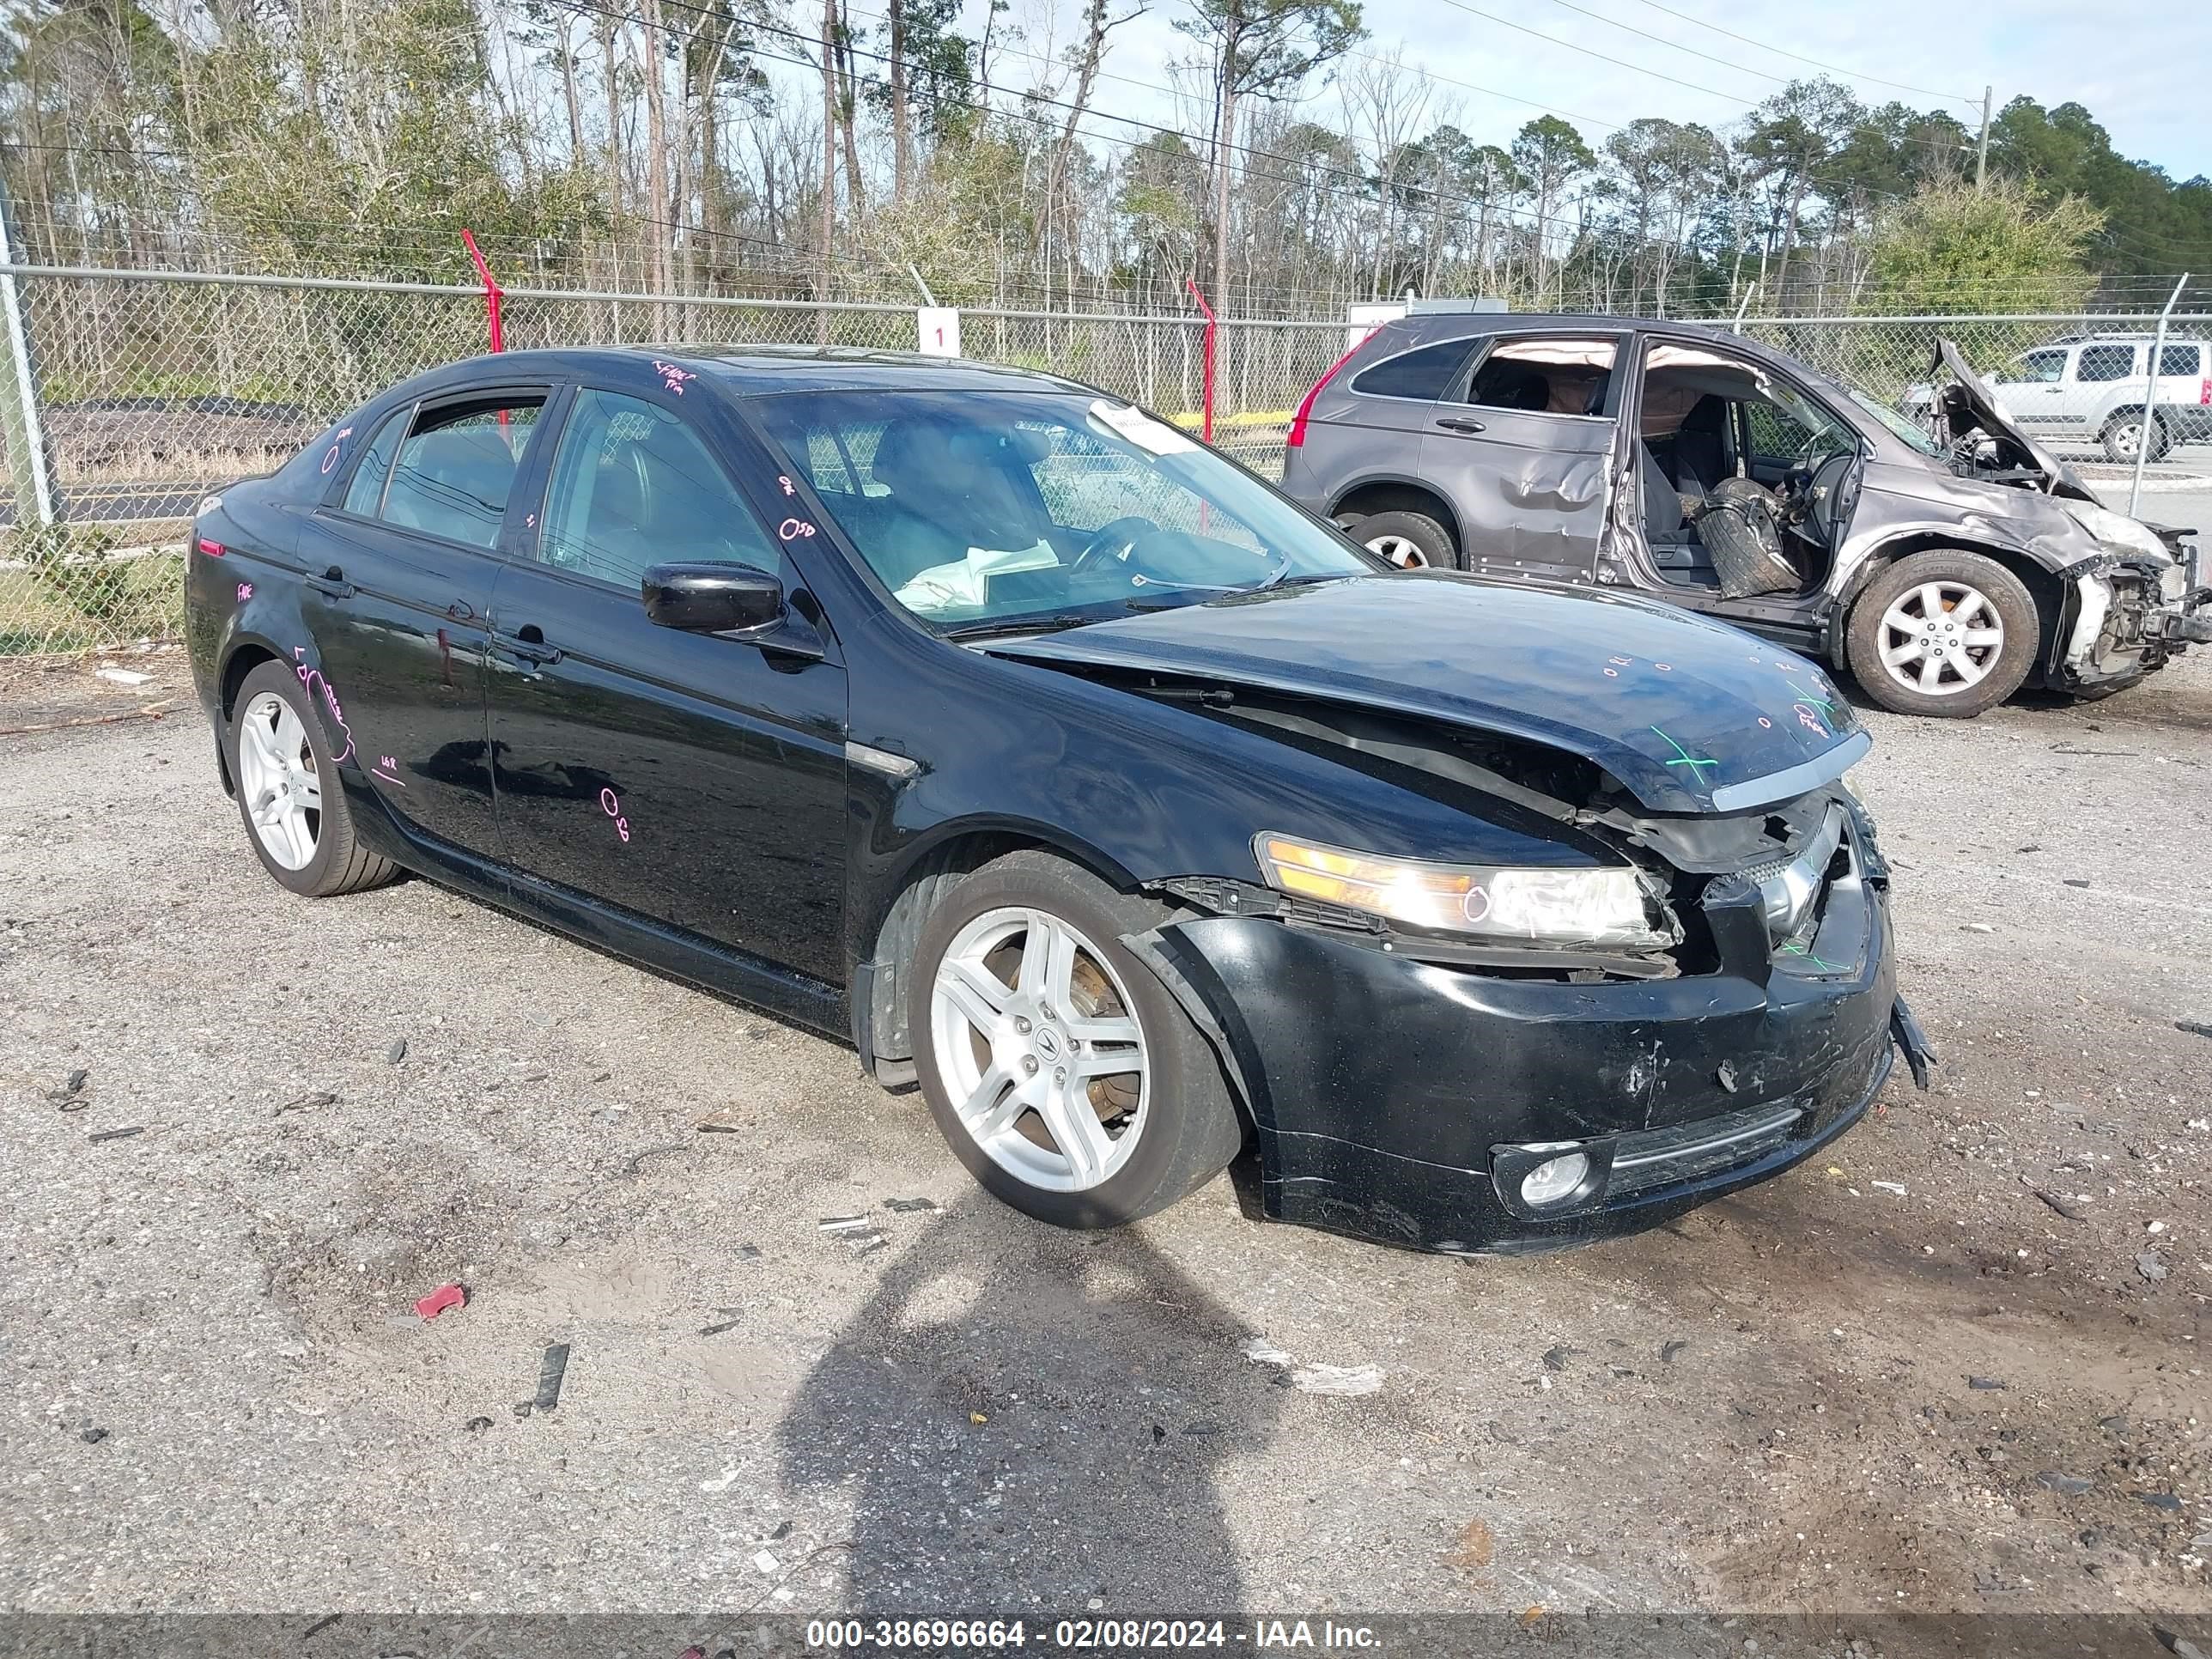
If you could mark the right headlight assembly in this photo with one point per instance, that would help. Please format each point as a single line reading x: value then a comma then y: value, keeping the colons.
x: 1613, y: 907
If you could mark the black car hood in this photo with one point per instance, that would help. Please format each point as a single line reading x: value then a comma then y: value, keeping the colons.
x: 1689, y: 715
x: 1995, y: 419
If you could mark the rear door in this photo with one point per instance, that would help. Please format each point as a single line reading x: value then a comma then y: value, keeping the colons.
x: 400, y: 564
x: 2097, y: 384
x: 1520, y: 446
x: 695, y: 781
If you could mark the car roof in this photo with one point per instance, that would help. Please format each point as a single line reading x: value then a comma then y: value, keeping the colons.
x: 756, y: 371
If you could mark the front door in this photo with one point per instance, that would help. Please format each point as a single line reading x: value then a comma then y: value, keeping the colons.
x: 2034, y: 388
x: 695, y: 780
x: 399, y: 567
x: 1520, y: 448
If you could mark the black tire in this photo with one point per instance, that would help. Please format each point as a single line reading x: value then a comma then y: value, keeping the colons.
x: 2002, y: 671
x: 340, y: 863
x: 1431, y: 540
x: 2127, y: 420
x: 1190, y: 1128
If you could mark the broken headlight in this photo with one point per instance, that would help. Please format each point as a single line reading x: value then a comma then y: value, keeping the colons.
x: 1610, y: 906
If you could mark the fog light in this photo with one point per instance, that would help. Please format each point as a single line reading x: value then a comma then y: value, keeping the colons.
x: 1553, y: 1179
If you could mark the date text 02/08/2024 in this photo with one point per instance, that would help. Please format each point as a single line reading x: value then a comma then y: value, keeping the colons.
x: 1082, y: 1635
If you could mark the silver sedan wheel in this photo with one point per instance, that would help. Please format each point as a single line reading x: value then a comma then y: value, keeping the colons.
x: 277, y: 775
x: 1400, y: 551
x: 1039, y: 1044
x: 1940, y: 638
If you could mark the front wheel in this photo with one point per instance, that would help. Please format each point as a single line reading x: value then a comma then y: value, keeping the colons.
x: 1059, y: 1069
x: 1942, y: 632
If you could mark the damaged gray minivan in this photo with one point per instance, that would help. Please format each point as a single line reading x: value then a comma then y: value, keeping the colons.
x: 1944, y: 569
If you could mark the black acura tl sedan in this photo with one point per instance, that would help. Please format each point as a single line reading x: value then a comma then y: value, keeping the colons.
x: 1066, y: 768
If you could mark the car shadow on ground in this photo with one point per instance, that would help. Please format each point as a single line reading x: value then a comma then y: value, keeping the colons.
x: 1007, y: 1384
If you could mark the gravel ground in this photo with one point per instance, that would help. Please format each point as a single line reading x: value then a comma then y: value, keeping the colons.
x: 1957, y: 1364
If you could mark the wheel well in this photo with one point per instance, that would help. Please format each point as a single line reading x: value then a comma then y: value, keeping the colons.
x: 1389, y: 496
x: 2045, y: 588
x: 890, y: 951
x: 243, y: 661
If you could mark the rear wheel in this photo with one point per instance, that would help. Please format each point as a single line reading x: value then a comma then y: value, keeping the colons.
x: 1412, y: 541
x: 288, y: 793
x: 2124, y: 434
x: 1059, y: 1069
x: 1942, y: 632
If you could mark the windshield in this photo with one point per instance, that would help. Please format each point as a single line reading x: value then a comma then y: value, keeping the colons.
x: 1896, y: 422
x: 1002, y: 507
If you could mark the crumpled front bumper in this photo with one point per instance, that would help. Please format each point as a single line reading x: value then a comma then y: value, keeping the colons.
x: 2126, y: 615
x: 1388, y: 1092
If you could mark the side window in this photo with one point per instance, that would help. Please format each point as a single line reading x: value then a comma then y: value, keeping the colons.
x: 2040, y: 367
x: 1546, y: 374
x: 1427, y: 373
x: 2106, y: 363
x: 365, y: 491
x: 1776, y: 434
x: 457, y: 465
x: 634, y: 487
x: 2181, y: 360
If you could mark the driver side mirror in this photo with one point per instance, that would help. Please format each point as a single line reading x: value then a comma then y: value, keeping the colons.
x: 712, y: 598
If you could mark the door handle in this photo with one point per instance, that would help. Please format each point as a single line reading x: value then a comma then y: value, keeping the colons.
x: 332, y: 584
x: 527, y: 646
x: 1453, y: 424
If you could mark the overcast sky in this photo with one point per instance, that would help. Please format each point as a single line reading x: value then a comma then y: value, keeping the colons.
x: 2146, y: 73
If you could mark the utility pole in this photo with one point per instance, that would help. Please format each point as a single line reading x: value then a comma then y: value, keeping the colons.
x: 829, y: 164
x: 1982, y: 150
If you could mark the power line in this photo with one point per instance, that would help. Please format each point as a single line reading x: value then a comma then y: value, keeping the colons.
x: 1591, y: 52
x: 1852, y: 75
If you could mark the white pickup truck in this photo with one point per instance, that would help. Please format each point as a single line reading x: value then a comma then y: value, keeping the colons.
x: 2086, y: 389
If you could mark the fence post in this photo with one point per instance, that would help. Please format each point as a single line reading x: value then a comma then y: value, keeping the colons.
x: 29, y: 465
x: 1205, y: 405
x: 493, y: 294
x: 2150, y: 395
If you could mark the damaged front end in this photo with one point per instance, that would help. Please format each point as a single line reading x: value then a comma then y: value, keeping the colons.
x: 1448, y: 1088
x: 2132, y: 594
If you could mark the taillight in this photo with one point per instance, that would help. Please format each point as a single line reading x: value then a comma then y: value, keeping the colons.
x: 1296, y: 440
x: 214, y: 550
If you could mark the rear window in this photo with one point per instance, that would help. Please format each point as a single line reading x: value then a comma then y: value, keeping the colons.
x: 1546, y: 374
x: 1427, y: 373
x: 457, y: 466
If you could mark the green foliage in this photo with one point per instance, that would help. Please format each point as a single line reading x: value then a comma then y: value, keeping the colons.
x: 1950, y: 248
x: 120, y: 598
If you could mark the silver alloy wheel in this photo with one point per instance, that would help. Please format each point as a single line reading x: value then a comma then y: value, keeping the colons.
x: 276, y: 779
x: 1941, y: 638
x: 1039, y: 1044
x: 2126, y: 436
x: 1400, y: 551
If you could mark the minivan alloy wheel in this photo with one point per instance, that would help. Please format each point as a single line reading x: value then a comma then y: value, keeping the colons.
x: 283, y: 795
x: 1041, y: 1048
x: 1941, y: 638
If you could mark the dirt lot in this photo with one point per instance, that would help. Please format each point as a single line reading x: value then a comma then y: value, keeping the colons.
x: 1959, y: 1364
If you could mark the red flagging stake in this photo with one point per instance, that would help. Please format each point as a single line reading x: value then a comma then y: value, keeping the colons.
x: 491, y: 292
x: 1298, y: 434
x: 1206, y: 430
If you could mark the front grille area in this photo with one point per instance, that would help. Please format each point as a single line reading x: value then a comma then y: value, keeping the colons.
x: 1644, y: 1158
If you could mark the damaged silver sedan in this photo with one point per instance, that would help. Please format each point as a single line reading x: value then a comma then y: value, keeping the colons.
x: 1945, y: 569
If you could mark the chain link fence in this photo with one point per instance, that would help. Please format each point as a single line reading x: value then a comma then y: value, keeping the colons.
x: 125, y: 396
